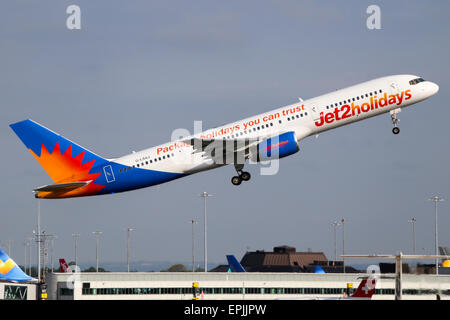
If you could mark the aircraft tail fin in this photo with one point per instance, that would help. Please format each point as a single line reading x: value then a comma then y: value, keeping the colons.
x: 318, y: 269
x: 71, y: 167
x: 63, y: 267
x: 234, y: 264
x: 63, y: 160
x: 10, y: 271
x: 365, y: 289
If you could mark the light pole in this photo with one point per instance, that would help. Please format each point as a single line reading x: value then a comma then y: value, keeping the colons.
x: 52, y: 240
x: 25, y: 244
x: 335, y: 224
x: 128, y: 247
x: 413, y: 221
x: 343, y: 243
x: 75, y: 239
x: 30, y: 243
x: 38, y: 239
x: 96, y: 234
x: 204, y: 195
x: 436, y: 199
x: 193, y: 260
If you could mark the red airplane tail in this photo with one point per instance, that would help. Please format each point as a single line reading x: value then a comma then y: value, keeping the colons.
x: 366, y: 289
x: 63, y: 267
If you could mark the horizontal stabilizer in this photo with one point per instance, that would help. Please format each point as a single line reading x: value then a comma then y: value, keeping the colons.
x: 52, y: 190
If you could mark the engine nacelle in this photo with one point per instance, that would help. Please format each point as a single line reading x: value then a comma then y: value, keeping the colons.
x: 277, y: 147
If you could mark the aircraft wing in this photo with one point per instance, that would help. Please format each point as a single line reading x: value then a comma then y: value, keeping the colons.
x: 224, y: 150
x: 391, y: 256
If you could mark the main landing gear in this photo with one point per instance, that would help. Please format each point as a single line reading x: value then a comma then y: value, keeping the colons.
x: 242, y: 175
x: 395, y: 121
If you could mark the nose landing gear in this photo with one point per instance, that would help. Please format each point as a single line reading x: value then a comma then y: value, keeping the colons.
x: 395, y: 120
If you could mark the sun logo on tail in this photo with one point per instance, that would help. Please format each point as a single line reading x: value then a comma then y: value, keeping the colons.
x: 64, y: 168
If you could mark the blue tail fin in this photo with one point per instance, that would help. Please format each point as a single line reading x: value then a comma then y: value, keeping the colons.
x: 234, y: 264
x: 60, y: 157
x: 10, y: 271
x: 318, y: 269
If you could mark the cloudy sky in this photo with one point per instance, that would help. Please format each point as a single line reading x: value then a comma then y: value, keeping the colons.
x: 137, y: 70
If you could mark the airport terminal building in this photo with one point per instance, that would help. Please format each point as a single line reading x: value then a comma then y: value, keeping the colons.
x: 236, y: 286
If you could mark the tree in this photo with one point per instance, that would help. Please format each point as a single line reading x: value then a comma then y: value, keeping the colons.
x: 93, y: 269
x: 176, y: 268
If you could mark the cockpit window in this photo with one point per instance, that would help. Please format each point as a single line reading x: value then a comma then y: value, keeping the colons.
x: 416, y: 81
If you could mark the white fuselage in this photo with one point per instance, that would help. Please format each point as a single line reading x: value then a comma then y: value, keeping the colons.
x: 304, y: 118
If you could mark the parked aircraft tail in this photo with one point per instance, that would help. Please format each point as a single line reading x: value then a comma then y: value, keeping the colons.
x: 234, y: 264
x: 10, y: 271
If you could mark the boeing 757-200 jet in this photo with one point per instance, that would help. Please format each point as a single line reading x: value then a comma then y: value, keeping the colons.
x: 77, y: 172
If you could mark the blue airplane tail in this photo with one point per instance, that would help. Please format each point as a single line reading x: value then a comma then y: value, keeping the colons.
x: 234, y: 264
x: 72, y: 167
x: 10, y: 271
x: 318, y: 269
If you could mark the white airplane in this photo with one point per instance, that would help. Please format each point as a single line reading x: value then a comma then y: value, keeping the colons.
x: 78, y: 172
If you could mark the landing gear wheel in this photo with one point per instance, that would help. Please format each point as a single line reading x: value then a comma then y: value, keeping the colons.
x: 396, y: 130
x: 245, y: 176
x: 236, y: 180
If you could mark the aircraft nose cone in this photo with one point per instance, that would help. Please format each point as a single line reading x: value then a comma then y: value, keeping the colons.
x: 434, y: 88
